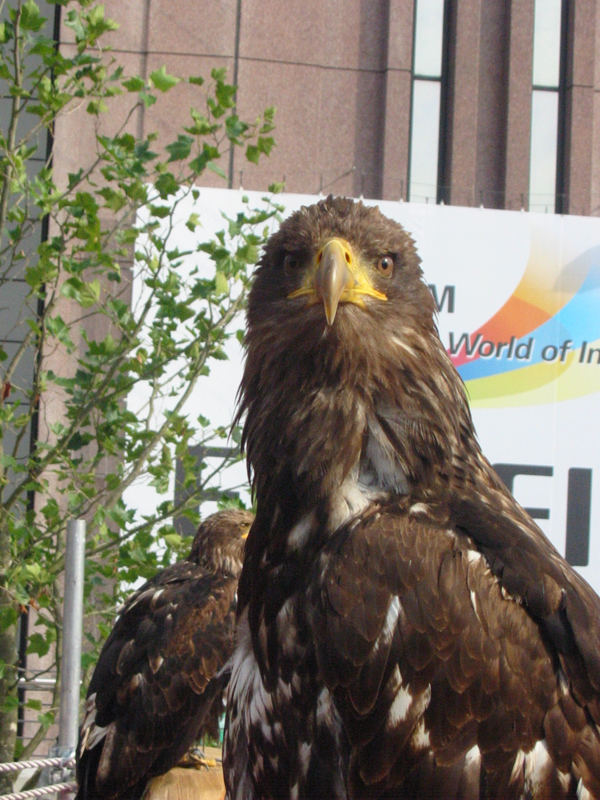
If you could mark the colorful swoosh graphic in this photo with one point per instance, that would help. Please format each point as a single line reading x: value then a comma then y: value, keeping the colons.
x: 543, y: 344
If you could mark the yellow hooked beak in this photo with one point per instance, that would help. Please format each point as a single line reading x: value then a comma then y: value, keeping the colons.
x: 336, y: 276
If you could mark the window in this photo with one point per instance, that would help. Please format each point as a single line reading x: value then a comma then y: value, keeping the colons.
x: 547, y: 107
x: 427, y: 100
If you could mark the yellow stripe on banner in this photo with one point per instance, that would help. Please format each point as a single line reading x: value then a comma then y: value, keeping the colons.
x: 540, y: 384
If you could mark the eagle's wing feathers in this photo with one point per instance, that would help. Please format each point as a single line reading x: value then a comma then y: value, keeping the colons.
x: 166, y: 648
x: 529, y: 568
x: 152, y: 635
x: 427, y: 657
x: 520, y: 556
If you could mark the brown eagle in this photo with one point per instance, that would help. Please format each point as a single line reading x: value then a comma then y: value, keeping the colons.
x: 405, y: 629
x: 159, y: 680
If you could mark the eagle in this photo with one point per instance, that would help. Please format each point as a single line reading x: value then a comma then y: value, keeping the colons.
x: 159, y: 680
x: 405, y: 630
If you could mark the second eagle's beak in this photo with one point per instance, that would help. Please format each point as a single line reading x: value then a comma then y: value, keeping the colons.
x: 336, y: 277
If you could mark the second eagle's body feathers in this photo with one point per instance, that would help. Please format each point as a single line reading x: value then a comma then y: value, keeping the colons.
x: 159, y: 679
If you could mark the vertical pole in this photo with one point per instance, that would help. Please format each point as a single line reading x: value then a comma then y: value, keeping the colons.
x: 72, y: 635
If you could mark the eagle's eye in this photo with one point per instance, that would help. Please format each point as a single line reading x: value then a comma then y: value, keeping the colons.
x: 291, y: 262
x: 385, y: 266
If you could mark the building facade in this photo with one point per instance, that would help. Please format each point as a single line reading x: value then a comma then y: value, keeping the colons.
x: 477, y: 102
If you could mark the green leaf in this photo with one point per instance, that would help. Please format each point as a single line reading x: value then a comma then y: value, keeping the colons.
x: 248, y: 252
x: 252, y: 153
x: 162, y: 81
x: 115, y: 200
x: 202, y: 160
x: 161, y: 212
x: 147, y: 99
x: 192, y: 222
x: 173, y: 539
x: 166, y: 185
x: 268, y: 117
x: 221, y: 283
x: 84, y: 293
x: 202, y: 125
x: 96, y: 107
x: 75, y: 178
x: 73, y: 21
x: 181, y: 148
x: 99, y: 24
x: 57, y: 327
x: 38, y: 644
x: 134, y: 84
x: 31, y: 19
x: 225, y: 94
x: 216, y: 169
x: 235, y: 127
x: 8, y: 617
x: 265, y: 144
x: 90, y: 293
x: 11, y: 703
x: 46, y: 719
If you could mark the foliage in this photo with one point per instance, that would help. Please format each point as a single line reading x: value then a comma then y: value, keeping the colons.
x: 81, y: 341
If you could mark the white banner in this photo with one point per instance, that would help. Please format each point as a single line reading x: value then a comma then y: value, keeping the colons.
x: 518, y: 298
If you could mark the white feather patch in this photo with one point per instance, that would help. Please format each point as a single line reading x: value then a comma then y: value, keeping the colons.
x: 250, y: 705
x: 389, y: 625
x: 304, y: 754
x: 398, y: 342
x: 404, y: 702
x: 420, y: 737
x: 246, y: 684
x: 91, y: 734
x: 473, y: 556
x: 473, y: 598
x: 473, y: 756
x: 325, y: 709
x: 538, y: 764
x: 400, y: 707
x: 300, y: 533
x: 582, y: 792
x: 472, y: 767
x: 349, y: 500
x: 419, y: 509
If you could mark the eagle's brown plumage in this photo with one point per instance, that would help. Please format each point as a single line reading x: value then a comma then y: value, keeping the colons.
x: 159, y: 680
x: 405, y: 629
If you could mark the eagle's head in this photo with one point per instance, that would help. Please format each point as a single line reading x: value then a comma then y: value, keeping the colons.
x: 335, y: 271
x: 220, y: 539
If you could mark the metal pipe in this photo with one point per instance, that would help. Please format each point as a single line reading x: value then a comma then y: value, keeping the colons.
x: 72, y: 636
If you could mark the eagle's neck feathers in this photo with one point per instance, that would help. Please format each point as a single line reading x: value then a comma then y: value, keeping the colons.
x: 357, y: 434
